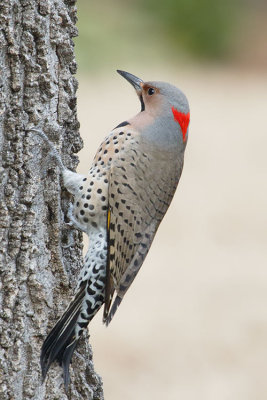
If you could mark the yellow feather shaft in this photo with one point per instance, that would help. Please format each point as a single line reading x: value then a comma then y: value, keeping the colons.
x: 108, y: 218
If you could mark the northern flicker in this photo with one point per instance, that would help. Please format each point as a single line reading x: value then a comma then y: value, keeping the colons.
x: 120, y: 204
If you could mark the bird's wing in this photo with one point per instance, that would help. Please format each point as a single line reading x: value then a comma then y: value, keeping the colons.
x: 141, y: 187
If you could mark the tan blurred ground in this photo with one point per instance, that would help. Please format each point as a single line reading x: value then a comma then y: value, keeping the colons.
x: 194, y: 323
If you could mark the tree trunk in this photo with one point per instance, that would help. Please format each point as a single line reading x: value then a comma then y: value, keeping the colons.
x: 37, y: 271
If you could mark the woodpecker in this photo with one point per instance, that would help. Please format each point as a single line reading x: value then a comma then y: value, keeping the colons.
x: 119, y: 205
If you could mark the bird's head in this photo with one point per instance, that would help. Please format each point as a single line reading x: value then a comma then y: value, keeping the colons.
x: 162, y: 101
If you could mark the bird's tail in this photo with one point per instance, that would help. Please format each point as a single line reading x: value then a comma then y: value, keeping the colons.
x: 109, y: 315
x: 62, y: 340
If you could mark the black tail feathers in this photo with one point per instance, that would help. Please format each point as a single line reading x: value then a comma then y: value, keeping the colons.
x: 108, y: 317
x: 61, y: 341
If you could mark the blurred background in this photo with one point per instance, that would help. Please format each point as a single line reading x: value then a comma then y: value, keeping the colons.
x: 194, y: 323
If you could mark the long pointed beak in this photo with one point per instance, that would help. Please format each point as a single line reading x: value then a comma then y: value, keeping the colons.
x: 136, y: 82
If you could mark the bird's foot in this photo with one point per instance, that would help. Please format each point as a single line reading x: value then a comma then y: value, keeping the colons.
x: 73, y: 221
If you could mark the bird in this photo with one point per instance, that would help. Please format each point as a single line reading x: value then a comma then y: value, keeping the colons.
x: 119, y: 204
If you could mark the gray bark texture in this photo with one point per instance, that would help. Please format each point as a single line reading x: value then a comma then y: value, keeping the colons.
x: 37, y: 272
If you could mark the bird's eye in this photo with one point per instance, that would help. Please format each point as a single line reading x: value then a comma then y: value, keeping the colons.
x: 151, y: 91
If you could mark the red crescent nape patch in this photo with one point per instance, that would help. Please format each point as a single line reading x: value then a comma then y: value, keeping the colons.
x: 182, y: 119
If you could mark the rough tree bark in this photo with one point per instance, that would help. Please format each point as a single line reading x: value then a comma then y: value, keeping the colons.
x: 37, y: 273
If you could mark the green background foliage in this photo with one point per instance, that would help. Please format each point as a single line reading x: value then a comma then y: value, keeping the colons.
x: 151, y: 30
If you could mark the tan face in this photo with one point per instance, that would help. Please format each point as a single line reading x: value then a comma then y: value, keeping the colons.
x: 151, y: 97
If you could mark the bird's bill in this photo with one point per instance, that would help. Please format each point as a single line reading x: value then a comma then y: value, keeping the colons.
x: 136, y: 82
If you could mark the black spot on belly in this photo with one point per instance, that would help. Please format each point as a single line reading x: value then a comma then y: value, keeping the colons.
x: 82, y: 324
x: 90, y: 291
